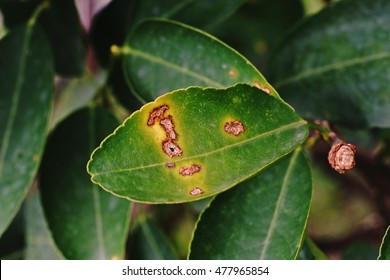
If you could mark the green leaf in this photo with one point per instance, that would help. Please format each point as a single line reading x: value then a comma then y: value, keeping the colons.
x: 86, y: 222
x: 39, y: 242
x: 161, y: 56
x: 360, y: 251
x: 261, y: 23
x: 384, y: 252
x: 336, y: 65
x: 26, y: 88
x: 200, y: 13
x: 16, y: 12
x: 262, y: 218
x: 62, y: 25
x: 149, y: 243
x: 144, y: 160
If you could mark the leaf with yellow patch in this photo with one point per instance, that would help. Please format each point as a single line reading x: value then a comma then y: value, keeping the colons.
x: 194, y: 143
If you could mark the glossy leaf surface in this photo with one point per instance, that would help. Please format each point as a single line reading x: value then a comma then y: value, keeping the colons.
x: 196, y: 155
x: 161, y: 56
x: 262, y: 218
x: 384, y: 253
x: 86, y: 222
x: 336, y: 65
x: 26, y: 89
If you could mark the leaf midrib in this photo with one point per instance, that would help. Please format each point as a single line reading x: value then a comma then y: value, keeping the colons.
x: 279, y: 203
x: 16, y: 97
x: 265, y: 134
x: 332, y: 67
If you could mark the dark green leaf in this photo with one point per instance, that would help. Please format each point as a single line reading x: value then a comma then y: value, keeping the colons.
x: 26, y: 88
x: 200, y: 13
x: 109, y: 27
x: 336, y: 64
x: 86, y: 222
x: 162, y: 56
x: 262, y: 218
x: 360, y: 251
x: 17, y: 12
x: 63, y: 28
x: 149, y: 243
x: 384, y: 253
x: 256, y: 28
x: 39, y: 242
x: 198, y: 156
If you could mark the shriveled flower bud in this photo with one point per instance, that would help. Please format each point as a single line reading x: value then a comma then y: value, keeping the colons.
x: 342, y: 157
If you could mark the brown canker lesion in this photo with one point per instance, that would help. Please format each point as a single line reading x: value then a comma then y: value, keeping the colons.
x: 157, y: 113
x: 189, y: 170
x: 169, y: 127
x: 265, y: 89
x: 170, y: 165
x: 234, y: 127
x: 196, y: 191
x: 171, y: 148
x: 169, y: 145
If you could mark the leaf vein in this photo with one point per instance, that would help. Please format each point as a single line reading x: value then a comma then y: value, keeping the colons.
x: 265, y: 134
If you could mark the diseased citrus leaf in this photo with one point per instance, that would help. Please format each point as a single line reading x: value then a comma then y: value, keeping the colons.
x: 384, y: 252
x: 194, y: 143
x: 161, y: 56
x: 85, y: 221
x: 336, y: 65
x: 26, y: 90
x: 39, y: 242
x: 149, y: 243
x: 262, y: 218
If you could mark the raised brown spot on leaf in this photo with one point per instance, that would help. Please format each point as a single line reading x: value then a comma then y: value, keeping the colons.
x: 233, y: 73
x: 170, y: 165
x: 189, y: 170
x: 265, y: 89
x: 196, y: 191
x: 157, y: 113
x: 171, y: 148
x: 169, y: 127
x: 234, y: 127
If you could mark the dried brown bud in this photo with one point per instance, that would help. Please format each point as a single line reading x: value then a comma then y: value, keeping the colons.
x: 342, y: 157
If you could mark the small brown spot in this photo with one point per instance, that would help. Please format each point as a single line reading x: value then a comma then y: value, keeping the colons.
x: 171, y: 148
x: 169, y: 127
x: 342, y: 157
x: 196, y: 191
x: 265, y: 89
x: 189, y: 170
x: 157, y: 113
x: 235, y: 128
x: 233, y: 73
x: 170, y: 165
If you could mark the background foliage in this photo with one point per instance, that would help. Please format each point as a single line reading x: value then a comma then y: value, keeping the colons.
x: 72, y: 71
